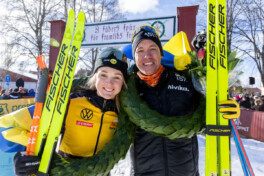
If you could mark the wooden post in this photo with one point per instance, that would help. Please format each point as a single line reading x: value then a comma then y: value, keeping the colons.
x: 56, y: 32
x: 187, y: 20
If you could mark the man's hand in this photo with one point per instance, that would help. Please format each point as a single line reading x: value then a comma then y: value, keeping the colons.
x: 230, y: 108
x: 26, y: 165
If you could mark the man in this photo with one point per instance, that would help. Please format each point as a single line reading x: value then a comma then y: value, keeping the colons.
x: 166, y: 91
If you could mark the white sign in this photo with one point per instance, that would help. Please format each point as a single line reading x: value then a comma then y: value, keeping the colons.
x: 120, y: 32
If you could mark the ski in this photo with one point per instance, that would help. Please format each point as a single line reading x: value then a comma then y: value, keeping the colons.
x: 51, y: 97
x: 211, y: 92
x: 217, y: 160
x: 224, y: 160
x: 62, y: 100
x: 39, y: 101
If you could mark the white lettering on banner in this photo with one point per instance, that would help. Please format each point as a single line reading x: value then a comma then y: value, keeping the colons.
x: 240, y: 127
x: 120, y: 32
x: 243, y: 128
x: 179, y: 87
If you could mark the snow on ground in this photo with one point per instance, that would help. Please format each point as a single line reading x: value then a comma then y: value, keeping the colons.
x: 254, y: 149
x: 255, y: 153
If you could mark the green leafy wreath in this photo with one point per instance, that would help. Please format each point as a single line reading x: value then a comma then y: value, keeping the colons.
x: 140, y: 114
x: 102, y: 163
x: 157, y: 124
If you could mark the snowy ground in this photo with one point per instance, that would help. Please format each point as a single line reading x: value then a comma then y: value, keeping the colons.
x: 254, y: 149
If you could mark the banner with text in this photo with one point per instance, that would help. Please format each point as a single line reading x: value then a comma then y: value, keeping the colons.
x: 120, y: 32
x: 10, y: 105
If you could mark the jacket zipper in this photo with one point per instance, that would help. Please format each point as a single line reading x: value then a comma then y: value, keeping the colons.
x: 100, y: 129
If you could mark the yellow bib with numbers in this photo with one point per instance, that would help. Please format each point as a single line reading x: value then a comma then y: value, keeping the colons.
x: 87, y: 128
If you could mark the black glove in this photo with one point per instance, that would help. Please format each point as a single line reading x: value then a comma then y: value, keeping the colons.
x: 26, y: 165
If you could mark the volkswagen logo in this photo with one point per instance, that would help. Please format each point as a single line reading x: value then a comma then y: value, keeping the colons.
x: 86, y: 114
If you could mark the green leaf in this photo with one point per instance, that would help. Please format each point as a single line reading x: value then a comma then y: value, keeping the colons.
x: 77, y: 82
x: 232, y: 56
x: 232, y: 64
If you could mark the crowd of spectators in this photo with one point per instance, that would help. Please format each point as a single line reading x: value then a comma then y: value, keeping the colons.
x: 252, y: 101
x: 16, y: 93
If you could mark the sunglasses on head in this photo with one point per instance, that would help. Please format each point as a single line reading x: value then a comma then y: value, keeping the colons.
x: 111, y: 52
x: 145, y: 28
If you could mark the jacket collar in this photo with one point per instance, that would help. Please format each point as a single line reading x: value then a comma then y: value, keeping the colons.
x: 103, y: 104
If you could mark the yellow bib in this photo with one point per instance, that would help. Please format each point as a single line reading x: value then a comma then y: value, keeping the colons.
x: 87, y: 128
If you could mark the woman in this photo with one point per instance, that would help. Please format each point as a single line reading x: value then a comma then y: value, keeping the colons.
x: 91, y: 120
x: 95, y: 111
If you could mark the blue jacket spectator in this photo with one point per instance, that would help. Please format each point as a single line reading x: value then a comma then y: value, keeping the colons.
x: 31, y: 93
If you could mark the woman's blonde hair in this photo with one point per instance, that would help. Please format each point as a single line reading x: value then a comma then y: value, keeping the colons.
x: 91, y: 85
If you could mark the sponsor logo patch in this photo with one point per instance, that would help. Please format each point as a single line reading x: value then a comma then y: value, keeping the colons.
x: 86, y: 114
x: 113, y: 61
x: 179, y: 87
x: 113, y: 124
x: 180, y: 78
x: 150, y: 34
x: 86, y: 124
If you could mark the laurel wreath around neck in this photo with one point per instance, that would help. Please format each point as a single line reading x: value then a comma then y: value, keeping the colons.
x: 151, y: 121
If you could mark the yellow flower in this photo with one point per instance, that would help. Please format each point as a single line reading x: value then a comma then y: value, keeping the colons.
x: 180, y: 62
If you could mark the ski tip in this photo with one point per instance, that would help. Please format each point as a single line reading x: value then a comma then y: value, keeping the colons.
x: 71, y: 14
x: 81, y: 16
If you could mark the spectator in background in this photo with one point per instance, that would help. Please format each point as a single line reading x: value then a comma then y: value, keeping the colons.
x: 244, y: 93
x: 10, y: 90
x: 252, y: 100
x: 245, y: 102
x: 4, y: 95
x: 237, y: 98
x: 23, y: 92
x: 15, y: 94
x: 31, y: 93
x: 262, y: 97
x: 259, y: 106
x: 20, y: 89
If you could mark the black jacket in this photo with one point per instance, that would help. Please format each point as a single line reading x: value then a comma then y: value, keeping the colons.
x: 158, y: 156
x: 245, y: 103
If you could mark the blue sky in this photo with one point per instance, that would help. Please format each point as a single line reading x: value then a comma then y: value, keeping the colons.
x: 137, y: 9
x: 152, y: 8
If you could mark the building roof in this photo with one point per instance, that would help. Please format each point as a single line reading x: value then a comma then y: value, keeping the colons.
x: 26, y: 76
x: 253, y: 89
